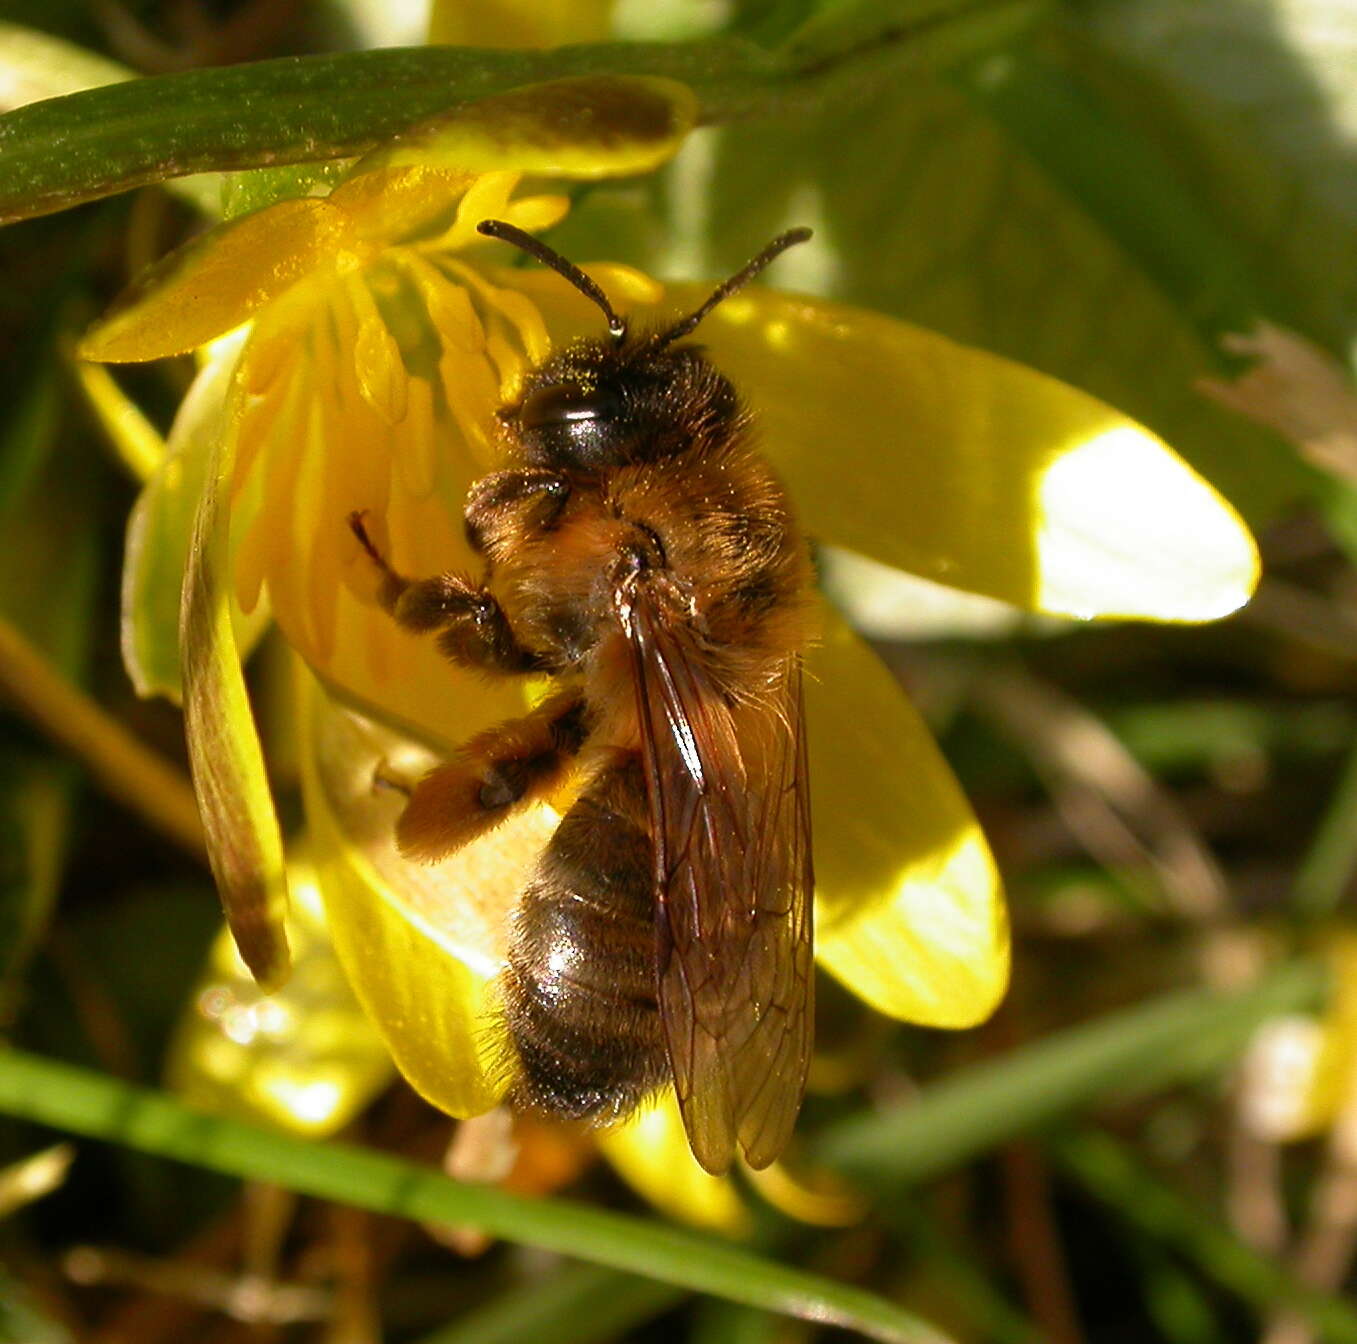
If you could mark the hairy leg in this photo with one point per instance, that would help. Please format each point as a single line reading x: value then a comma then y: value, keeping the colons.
x: 508, y: 766
x: 471, y: 625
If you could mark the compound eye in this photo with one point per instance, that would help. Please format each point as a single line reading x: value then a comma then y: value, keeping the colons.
x: 565, y: 405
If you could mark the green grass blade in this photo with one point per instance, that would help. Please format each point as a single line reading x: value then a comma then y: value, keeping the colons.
x: 100, y: 1107
x: 1325, y: 874
x: 49, y: 516
x: 59, y: 152
x: 1110, y: 1172
x: 1133, y: 1052
x: 35, y: 65
x: 979, y: 1303
x: 579, y: 1304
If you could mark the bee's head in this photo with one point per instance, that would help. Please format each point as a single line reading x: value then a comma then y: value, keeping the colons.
x: 604, y: 403
x: 595, y: 406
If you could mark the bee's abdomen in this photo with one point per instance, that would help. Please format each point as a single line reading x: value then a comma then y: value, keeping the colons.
x: 580, y: 981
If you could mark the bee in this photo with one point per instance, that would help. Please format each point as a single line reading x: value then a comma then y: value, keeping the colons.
x: 642, y: 554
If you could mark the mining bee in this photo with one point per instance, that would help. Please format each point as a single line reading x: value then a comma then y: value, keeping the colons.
x: 641, y: 554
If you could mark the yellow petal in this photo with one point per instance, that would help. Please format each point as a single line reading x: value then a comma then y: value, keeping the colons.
x: 820, y: 1197
x: 390, y: 204
x: 908, y: 908
x: 322, y: 450
x: 32, y: 1178
x: 651, y: 1152
x: 305, y: 1059
x: 589, y: 127
x: 1283, y: 1095
x: 244, y: 844
x: 972, y: 470
x: 882, y: 602
x: 1333, y: 1086
x: 219, y: 280
x: 158, y: 535
x: 420, y: 943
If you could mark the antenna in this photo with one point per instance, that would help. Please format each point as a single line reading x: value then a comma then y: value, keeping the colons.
x: 535, y: 247
x: 741, y: 278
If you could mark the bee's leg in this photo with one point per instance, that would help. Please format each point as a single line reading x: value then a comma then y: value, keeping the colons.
x: 510, y: 765
x: 508, y: 501
x: 472, y: 627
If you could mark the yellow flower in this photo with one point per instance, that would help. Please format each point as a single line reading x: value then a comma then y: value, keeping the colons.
x: 384, y: 333
x: 1300, y: 1074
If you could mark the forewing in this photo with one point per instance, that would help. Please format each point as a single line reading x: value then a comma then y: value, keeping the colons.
x: 731, y: 822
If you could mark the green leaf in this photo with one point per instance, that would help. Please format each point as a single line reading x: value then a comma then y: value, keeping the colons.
x: 1119, y: 179
x: 865, y: 34
x: 1134, y: 1052
x: 1254, y: 105
x: 36, y: 66
x: 1189, y: 190
x: 1251, y: 107
x: 57, y: 153
x: 98, y: 1106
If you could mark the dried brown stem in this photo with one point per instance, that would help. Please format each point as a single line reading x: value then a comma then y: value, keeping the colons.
x: 1034, y: 1243
x: 125, y: 769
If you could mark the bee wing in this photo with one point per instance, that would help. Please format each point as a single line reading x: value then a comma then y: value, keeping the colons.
x: 730, y: 816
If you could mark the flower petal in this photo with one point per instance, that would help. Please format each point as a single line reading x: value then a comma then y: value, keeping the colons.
x: 391, y: 204
x: 244, y: 844
x: 908, y: 908
x: 1283, y: 1093
x: 972, y: 470
x: 158, y: 531
x: 1333, y: 1087
x: 589, y: 127
x: 321, y: 451
x: 651, y: 1152
x: 219, y: 280
x: 305, y: 1059
x: 421, y: 943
